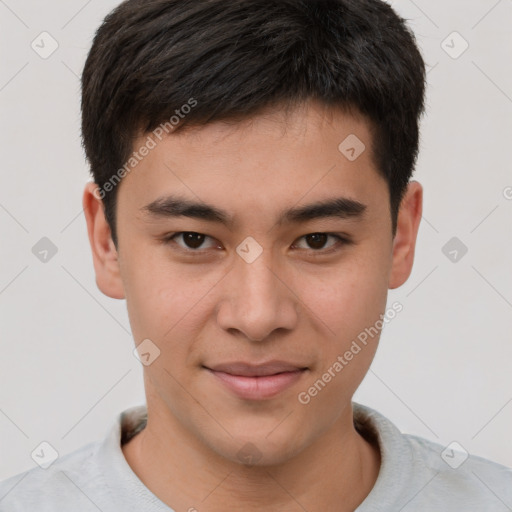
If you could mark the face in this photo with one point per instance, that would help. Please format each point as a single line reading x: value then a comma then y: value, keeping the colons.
x: 283, y: 263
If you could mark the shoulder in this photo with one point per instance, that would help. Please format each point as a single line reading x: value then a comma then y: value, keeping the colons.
x: 419, y: 475
x: 93, y: 477
x: 456, y: 475
x: 65, y: 483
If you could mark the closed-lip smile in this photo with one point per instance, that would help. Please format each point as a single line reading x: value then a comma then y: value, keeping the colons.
x: 257, y: 381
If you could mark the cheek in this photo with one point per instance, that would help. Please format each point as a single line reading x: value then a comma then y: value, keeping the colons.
x: 166, y: 303
x: 347, y: 298
x: 349, y: 303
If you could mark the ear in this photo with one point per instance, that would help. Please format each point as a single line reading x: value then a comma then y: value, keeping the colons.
x: 404, y: 243
x: 104, y: 252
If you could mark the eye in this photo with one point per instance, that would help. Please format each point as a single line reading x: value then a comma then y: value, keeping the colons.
x: 191, y: 241
x: 317, y: 241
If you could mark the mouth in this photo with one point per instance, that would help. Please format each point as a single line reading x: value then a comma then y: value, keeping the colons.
x: 257, y: 382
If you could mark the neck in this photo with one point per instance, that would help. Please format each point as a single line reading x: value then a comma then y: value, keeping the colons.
x: 336, y: 472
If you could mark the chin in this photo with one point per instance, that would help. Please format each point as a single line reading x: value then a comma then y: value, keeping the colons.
x: 258, y: 450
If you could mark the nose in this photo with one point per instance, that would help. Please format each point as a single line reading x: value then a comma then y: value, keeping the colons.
x: 257, y: 300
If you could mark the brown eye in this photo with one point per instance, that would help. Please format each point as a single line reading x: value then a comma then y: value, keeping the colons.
x: 190, y: 240
x: 317, y: 240
x: 193, y: 240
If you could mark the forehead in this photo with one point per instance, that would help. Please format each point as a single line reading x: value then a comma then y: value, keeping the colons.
x: 263, y: 163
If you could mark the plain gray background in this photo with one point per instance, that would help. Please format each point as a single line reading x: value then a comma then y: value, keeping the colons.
x: 442, y: 370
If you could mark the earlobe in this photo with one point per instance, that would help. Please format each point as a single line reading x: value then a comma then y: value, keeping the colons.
x: 404, y: 243
x: 104, y: 252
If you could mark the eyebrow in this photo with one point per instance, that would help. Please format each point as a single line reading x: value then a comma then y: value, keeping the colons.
x: 177, y: 206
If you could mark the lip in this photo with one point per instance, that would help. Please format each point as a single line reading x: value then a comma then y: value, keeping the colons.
x: 257, y: 382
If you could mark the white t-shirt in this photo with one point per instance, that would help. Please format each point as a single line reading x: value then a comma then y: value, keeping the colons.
x: 414, y: 475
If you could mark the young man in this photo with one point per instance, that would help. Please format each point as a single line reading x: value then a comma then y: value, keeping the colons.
x: 253, y: 203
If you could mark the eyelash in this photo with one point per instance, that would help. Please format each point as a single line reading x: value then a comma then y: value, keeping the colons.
x: 342, y: 240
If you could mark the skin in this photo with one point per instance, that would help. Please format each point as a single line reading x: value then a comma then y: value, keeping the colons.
x: 292, y: 303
